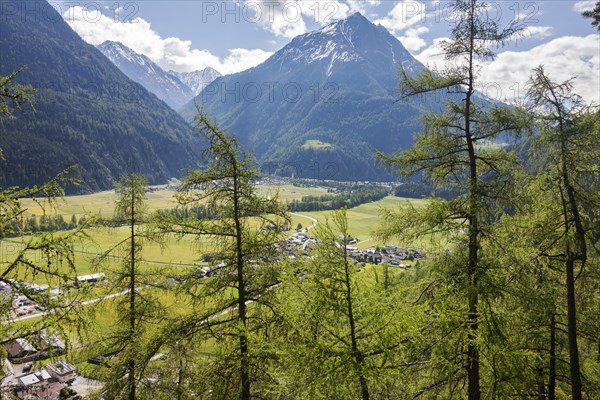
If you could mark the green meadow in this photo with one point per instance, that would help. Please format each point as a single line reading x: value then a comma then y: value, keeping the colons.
x: 187, y: 251
x: 170, y: 257
x: 316, y: 144
x: 160, y: 198
x: 365, y: 219
x: 173, y: 256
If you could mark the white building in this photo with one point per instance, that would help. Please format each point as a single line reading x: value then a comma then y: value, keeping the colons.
x: 35, y: 378
x: 62, y: 370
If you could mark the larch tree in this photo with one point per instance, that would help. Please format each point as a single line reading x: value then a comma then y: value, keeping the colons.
x: 568, y: 135
x: 531, y: 306
x: 137, y: 307
x: 342, y: 333
x: 459, y: 148
x: 232, y: 303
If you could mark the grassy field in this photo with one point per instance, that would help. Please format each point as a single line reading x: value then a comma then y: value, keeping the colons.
x: 364, y: 219
x: 172, y: 253
x: 288, y: 193
x: 177, y: 254
x: 185, y: 250
x: 103, y: 203
x: 317, y: 145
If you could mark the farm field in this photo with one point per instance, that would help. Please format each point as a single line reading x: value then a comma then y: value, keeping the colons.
x: 181, y: 251
x: 103, y: 203
x: 171, y: 257
x: 187, y: 251
x: 364, y: 220
x: 174, y: 255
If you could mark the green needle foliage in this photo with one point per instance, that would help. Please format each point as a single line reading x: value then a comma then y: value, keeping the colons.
x: 568, y: 137
x: 547, y: 247
x: 461, y: 148
x: 48, y: 257
x: 231, y: 308
x: 594, y: 14
x: 137, y: 307
x: 13, y: 95
x: 342, y: 332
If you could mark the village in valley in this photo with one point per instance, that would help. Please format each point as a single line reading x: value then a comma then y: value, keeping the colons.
x: 27, y: 379
x: 36, y: 366
x: 300, y: 243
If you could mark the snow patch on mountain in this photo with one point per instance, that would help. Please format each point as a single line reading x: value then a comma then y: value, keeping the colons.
x: 144, y: 71
x: 197, y: 80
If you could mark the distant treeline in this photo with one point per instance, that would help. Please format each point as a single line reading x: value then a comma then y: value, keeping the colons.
x: 356, y: 196
x: 417, y: 190
x: 343, y: 194
x: 198, y: 211
x: 335, y: 185
x: 43, y: 223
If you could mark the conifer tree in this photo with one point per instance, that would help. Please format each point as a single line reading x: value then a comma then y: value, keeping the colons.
x: 342, y: 333
x: 137, y: 307
x: 243, y: 268
x: 458, y: 149
x: 569, y: 135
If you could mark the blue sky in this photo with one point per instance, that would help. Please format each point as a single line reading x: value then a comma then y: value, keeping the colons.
x: 231, y: 36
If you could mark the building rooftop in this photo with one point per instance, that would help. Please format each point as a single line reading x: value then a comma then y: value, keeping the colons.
x: 52, y: 341
x: 25, y: 344
x: 61, y: 367
x: 28, y: 380
x: 42, y: 375
x: 91, y: 277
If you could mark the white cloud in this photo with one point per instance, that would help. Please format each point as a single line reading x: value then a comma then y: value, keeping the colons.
x: 288, y: 18
x: 244, y: 59
x: 404, y: 15
x: 565, y: 57
x: 169, y: 53
x: 405, y: 20
x: 412, y: 39
x: 362, y: 6
x: 179, y: 56
x: 432, y: 56
x: 282, y: 18
x: 584, y: 5
x: 537, y: 32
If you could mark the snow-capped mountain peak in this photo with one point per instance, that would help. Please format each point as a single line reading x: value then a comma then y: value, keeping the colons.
x: 144, y: 71
x: 350, y: 40
x: 197, y: 80
x: 337, y: 85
